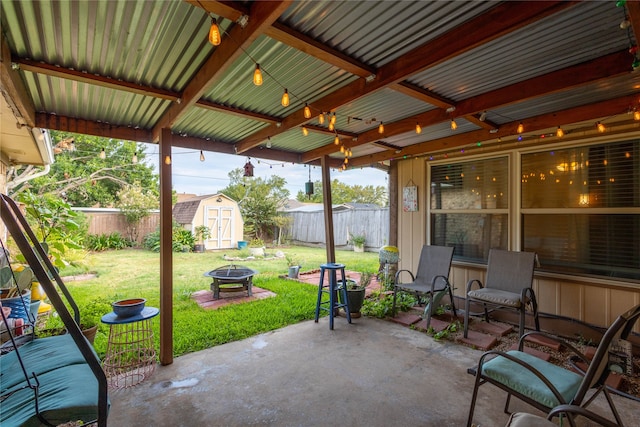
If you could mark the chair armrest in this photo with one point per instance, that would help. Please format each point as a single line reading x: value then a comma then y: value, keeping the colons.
x: 445, y: 279
x: 397, y: 277
x: 579, y: 410
x: 555, y: 338
x: 471, y: 282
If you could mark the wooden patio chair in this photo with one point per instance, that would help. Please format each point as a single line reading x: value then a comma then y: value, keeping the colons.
x: 507, y: 285
x: 432, y: 279
x: 545, y: 385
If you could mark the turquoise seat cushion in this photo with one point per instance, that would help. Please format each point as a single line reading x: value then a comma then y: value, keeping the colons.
x: 40, y: 355
x: 69, y: 393
x: 496, y: 296
x: 523, y: 381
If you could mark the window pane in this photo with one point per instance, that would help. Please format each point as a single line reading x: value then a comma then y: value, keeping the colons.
x: 604, y: 245
x: 597, y: 176
x: 480, y: 184
x: 471, y: 235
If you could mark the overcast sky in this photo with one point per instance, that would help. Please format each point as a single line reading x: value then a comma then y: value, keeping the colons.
x: 190, y: 175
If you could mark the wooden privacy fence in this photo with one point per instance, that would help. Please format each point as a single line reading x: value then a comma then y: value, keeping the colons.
x: 108, y: 220
x: 373, y: 223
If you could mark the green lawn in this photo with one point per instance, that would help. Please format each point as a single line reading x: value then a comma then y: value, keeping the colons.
x: 136, y: 273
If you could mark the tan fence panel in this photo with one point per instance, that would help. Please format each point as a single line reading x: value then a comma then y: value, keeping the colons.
x: 111, y: 220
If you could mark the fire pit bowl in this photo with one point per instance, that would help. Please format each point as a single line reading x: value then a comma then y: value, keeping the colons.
x: 229, y: 275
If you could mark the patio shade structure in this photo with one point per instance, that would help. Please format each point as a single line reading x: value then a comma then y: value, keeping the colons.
x: 368, y: 82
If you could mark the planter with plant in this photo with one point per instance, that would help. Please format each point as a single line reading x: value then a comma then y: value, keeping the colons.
x: 201, y: 233
x: 294, y: 266
x: 357, y: 240
x: 356, y: 291
x: 256, y: 247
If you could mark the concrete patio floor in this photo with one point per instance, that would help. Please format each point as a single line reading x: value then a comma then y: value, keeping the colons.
x: 372, y: 372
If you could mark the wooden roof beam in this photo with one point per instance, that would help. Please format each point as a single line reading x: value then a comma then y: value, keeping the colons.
x: 230, y: 10
x: 545, y: 121
x: 261, y: 16
x: 12, y: 85
x: 581, y: 74
x: 500, y: 20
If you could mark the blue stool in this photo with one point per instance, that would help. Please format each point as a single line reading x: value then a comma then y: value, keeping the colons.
x: 334, y: 286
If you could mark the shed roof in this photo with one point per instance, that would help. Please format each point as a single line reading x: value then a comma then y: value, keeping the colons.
x: 185, y: 211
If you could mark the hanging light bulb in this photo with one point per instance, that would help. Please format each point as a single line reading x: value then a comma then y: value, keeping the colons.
x: 483, y: 116
x: 331, y: 126
x: 342, y: 149
x: 600, y: 127
x: 381, y: 128
x: 418, y: 129
x: 201, y: 156
x: 336, y: 140
x: 215, y: 38
x: 305, y: 131
x: 333, y: 119
x: 520, y: 127
x: 167, y: 160
x: 321, y: 118
x: 559, y: 132
x: 285, y: 98
x: 307, y: 111
x: 636, y: 115
x: 134, y: 159
x: 454, y: 125
x: 257, y: 76
x: 346, y: 160
x: 103, y: 155
x: 268, y: 142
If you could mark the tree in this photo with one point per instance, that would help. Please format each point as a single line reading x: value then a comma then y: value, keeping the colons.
x: 258, y: 199
x: 345, y: 193
x: 82, y: 177
x: 135, y: 205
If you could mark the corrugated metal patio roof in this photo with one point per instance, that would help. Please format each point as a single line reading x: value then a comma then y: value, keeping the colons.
x: 128, y: 69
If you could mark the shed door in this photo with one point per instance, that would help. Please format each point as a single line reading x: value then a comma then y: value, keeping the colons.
x: 220, y: 222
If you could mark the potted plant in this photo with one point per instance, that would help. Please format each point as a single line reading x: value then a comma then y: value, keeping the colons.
x: 357, y: 240
x: 294, y: 266
x: 356, y: 291
x: 201, y: 233
x: 256, y: 247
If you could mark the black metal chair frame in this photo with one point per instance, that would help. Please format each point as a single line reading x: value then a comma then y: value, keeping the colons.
x: 422, y: 284
x: 518, y: 261
x: 594, y: 378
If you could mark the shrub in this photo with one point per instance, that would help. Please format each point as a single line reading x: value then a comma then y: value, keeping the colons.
x: 181, y: 239
x: 102, y: 242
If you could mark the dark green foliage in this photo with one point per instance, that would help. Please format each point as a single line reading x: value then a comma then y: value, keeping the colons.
x: 381, y: 306
x: 183, y: 240
x: 102, y: 242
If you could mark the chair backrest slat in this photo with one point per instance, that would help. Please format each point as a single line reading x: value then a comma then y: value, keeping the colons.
x: 434, y: 261
x: 509, y: 270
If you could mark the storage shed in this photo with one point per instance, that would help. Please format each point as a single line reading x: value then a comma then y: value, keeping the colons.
x: 218, y: 212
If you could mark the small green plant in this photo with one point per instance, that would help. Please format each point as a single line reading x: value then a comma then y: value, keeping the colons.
x: 103, y: 242
x: 357, y: 240
x: 256, y: 242
x: 202, y: 233
x: 291, y: 261
x: 451, y: 328
x: 381, y: 306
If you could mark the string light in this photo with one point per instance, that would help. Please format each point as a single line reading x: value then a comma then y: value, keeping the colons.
x: 418, y: 129
x: 268, y: 142
x: 483, y: 116
x: 201, y: 156
x: 257, y: 76
x: 342, y: 149
x: 167, y: 160
x: 336, y: 140
x: 454, y: 125
x: 215, y: 38
x: 321, y: 118
x: 636, y: 115
x: 559, y: 132
x: 103, y: 155
x: 331, y: 126
x: 520, y: 127
x: 600, y: 127
x: 381, y: 128
x: 305, y: 131
x: 333, y: 119
x: 307, y: 111
x: 285, y: 98
x: 134, y: 159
